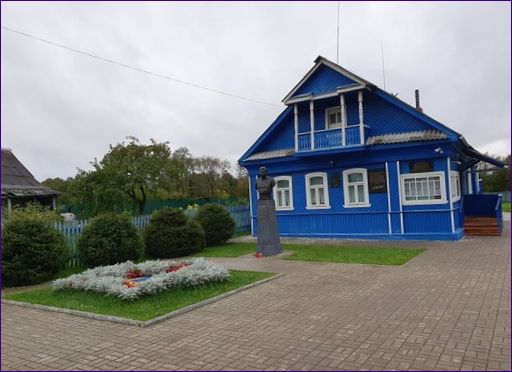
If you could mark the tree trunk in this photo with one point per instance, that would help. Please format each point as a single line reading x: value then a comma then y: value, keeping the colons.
x: 142, y: 202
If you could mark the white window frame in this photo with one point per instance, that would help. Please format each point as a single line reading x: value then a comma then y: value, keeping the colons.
x: 455, y: 186
x: 328, y: 111
x: 441, y: 175
x: 290, y: 189
x: 326, y: 205
x: 346, y: 184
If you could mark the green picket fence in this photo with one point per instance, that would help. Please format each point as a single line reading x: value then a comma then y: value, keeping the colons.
x: 73, y: 229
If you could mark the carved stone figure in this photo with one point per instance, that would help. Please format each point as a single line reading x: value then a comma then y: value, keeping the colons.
x: 268, y: 242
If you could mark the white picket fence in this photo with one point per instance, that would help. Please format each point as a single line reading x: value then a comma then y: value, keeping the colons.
x: 72, y: 230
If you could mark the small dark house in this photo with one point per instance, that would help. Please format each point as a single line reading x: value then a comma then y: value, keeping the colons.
x: 19, y: 186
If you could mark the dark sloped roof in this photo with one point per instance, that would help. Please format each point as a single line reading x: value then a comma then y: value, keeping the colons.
x: 271, y: 154
x: 423, y: 135
x: 17, y: 180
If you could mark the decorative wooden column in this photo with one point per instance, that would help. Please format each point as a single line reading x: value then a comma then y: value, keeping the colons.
x: 449, y: 178
x: 54, y: 202
x: 9, y: 204
x: 312, y: 123
x: 343, y: 120
x: 296, y: 123
x: 470, y: 182
x: 399, y: 180
x: 361, y: 116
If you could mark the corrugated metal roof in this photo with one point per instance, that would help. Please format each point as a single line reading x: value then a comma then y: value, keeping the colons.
x: 423, y: 135
x: 271, y: 154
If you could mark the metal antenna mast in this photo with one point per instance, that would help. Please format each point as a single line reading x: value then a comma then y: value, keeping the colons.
x: 383, y: 68
x: 338, y: 36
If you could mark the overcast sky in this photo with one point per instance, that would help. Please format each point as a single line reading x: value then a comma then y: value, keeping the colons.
x: 60, y: 110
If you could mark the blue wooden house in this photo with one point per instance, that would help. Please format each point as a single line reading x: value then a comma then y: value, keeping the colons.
x: 351, y: 160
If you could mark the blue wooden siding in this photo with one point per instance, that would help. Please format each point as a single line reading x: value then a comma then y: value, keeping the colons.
x: 323, y: 80
x: 283, y: 136
x: 386, y: 217
x: 384, y: 117
x: 419, y: 221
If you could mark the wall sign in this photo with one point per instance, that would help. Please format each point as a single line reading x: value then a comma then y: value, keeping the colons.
x: 377, y: 181
x: 334, y: 180
x: 421, y: 166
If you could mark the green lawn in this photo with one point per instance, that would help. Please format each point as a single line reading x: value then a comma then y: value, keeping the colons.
x: 144, y: 308
x: 359, y: 255
x: 506, y: 207
x: 228, y: 250
x: 342, y: 254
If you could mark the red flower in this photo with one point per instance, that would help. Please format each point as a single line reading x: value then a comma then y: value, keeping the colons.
x: 173, y: 269
x: 132, y: 274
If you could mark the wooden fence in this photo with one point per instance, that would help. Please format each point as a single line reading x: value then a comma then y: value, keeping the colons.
x: 72, y: 230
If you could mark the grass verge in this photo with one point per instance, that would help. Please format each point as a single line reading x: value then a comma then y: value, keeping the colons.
x: 359, y: 255
x: 506, y: 207
x: 227, y: 250
x: 340, y: 254
x: 144, y: 308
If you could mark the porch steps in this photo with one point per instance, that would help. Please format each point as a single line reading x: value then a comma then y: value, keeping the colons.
x: 481, y: 226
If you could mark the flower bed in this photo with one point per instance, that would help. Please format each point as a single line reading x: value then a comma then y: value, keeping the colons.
x: 130, y: 281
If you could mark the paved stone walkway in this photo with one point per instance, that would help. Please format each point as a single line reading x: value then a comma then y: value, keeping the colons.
x: 448, y: 308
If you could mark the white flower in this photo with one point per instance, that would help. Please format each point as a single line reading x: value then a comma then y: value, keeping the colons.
x: 111, y: 279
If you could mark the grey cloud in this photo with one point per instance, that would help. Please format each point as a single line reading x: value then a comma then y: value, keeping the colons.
x: 60, y: 109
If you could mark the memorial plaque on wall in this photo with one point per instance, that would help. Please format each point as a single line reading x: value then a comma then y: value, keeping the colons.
x: 334, y: 180
x: 421, y: 166
x: 377, y: 181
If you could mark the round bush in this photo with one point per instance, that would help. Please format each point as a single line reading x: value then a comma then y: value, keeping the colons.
x: 171, y: 234
x: 217, y: 223
x: 32, y: 250
x: 108, y: 239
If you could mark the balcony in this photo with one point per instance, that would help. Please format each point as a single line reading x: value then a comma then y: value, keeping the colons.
x: 329, y: 138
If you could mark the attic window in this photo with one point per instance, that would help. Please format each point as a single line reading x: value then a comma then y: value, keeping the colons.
x: 333, y: 117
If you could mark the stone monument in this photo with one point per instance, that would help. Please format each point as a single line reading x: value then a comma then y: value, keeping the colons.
x: 268, y: 243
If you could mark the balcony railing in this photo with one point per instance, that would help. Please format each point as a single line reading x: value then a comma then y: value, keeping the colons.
x: 329, y: 138
x: 325, y: 139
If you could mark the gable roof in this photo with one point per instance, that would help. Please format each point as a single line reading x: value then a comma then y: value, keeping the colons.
x: 438, y: 132
x: 18, y: 181
x: 350, y: 78
x: 288, y: 110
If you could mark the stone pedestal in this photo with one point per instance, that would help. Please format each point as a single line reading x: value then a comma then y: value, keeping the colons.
x: 268, y: 236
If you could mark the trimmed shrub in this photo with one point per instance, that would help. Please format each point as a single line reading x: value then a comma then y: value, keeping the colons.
x: 32, y: 250
x: 171, y: 234
x: 217, y: 223
x: 108, y: 239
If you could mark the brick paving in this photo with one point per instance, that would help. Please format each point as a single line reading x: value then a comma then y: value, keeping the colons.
x: 447, y: 309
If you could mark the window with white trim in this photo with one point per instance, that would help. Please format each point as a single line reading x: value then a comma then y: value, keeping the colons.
x: 283, y: 194
x: 317, y: 194
x: 355, y: 188
x: 423, y: 188
x: 455, y: 185
x: 333, y: 117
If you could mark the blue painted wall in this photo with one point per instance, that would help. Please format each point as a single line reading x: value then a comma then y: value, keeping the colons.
x: 381, y: 116
x: 323, y: 80
x: 385, y: 218
x: 419, y: 221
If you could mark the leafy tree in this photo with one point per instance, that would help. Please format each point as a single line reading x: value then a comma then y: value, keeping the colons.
x: 212, y: 168
x: 61, y: 185
x: 92, y: 193
x: 498, y: 179
x: 139, y: 169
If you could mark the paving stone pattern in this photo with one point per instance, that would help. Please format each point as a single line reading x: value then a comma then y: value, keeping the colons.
x: 447, y: 309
